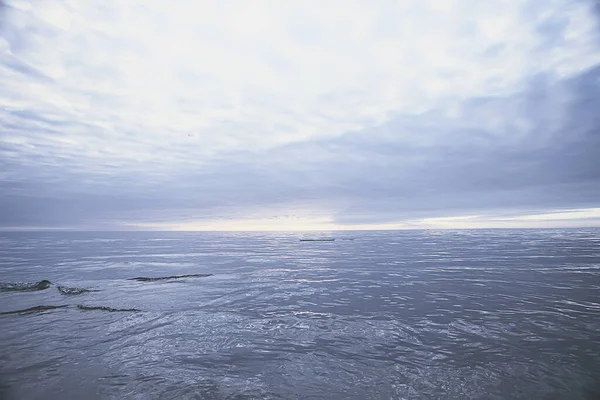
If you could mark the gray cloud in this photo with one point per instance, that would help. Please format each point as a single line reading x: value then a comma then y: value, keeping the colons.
x: 369, y: 176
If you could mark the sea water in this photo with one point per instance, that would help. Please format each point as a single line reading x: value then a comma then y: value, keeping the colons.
x: 481, y: 314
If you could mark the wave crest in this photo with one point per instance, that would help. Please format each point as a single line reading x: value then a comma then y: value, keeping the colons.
x: 103, y: 308
x: 32, y: 310
x: 72, y: 291
x: 163, y: 278
x: 24, y: 286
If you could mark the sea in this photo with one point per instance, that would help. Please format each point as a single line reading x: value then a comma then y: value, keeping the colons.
x: 422, y: 314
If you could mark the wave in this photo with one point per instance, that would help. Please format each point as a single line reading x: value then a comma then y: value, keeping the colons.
x: 103, y: 308
x: 72, y: 291
x: 33, y: 310
x: 39, y: 309
x: 24, y: 286
x: 162, y: 278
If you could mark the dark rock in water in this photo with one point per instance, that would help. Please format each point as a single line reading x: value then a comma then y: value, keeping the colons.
x: 32, y: 310
x: 69, y: 291
x: 162, y: 278
x: 318, y: 240
x: 24, y: 286
x: 103, y: 308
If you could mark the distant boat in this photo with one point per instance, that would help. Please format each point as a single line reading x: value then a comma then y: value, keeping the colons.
x: 318, y: 240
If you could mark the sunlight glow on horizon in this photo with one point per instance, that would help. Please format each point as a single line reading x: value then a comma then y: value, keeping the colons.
x: 589, y: 217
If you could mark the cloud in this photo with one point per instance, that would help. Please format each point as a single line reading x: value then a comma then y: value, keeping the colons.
x: 348, y: 114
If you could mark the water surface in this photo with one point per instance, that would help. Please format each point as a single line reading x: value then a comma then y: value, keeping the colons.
x: 497, y: 314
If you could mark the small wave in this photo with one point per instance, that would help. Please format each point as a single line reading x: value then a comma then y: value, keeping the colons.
x: 162, y: 278
x: 103, y: 308
x: 72, y: 291
x: 24, y: 286
x: 33, y: 310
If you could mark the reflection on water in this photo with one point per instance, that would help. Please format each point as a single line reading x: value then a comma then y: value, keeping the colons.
x: 404, y: 315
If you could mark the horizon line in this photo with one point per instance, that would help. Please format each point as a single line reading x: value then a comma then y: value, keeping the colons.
x: 47, y: 230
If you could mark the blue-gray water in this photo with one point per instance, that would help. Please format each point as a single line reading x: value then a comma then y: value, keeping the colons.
x: 498, y: 314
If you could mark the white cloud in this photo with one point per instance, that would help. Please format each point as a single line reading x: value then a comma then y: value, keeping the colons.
x: 239, y: 75
x: 247, y: 104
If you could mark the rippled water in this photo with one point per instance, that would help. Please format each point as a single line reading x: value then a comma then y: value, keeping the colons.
x: 498, y: 314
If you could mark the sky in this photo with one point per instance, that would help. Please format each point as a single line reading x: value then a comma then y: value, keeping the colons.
x: 299, y: 115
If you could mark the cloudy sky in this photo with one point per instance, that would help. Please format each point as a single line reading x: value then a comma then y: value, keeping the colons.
x: 153, y: 114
